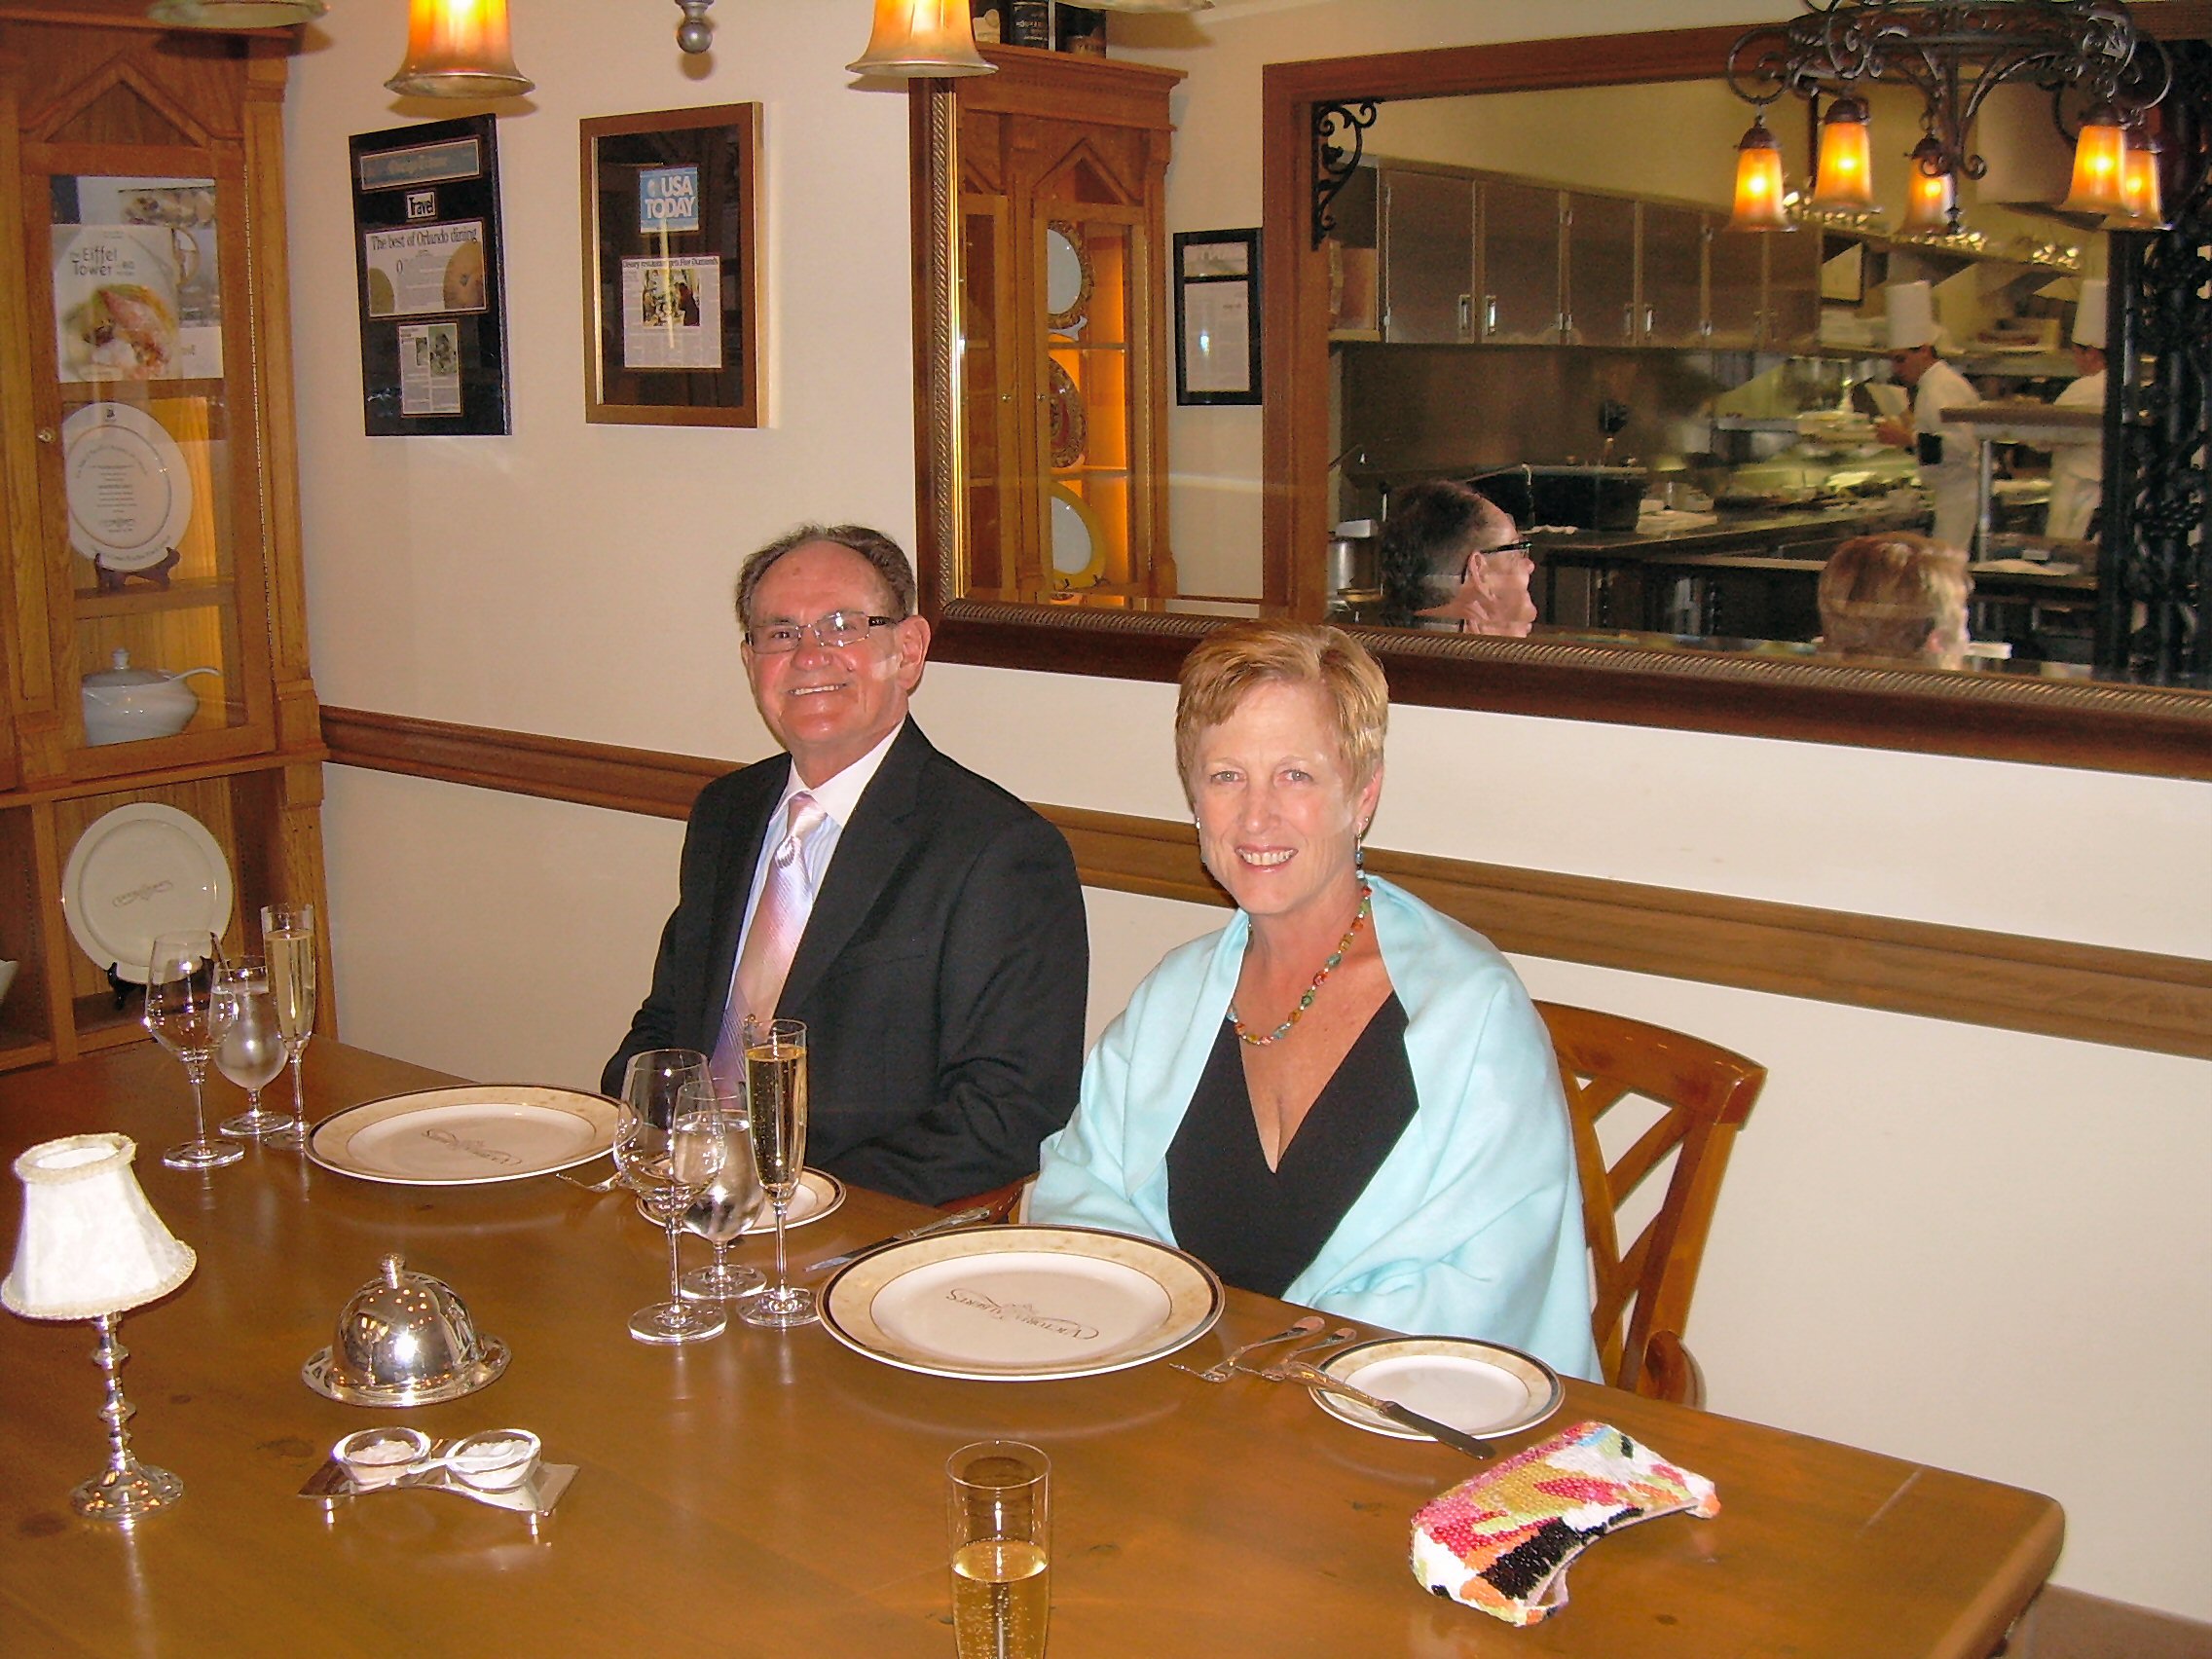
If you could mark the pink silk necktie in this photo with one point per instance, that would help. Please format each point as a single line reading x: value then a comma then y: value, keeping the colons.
x: 770, y: 942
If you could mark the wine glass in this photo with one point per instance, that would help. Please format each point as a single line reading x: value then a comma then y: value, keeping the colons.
x: 287, y: 936
x: 251, y: 1053
x: 724, y: 1211
x: 651, y: 1082
x: 775, y: 1090
x: 671, y: 1167
x: 188, y: 1008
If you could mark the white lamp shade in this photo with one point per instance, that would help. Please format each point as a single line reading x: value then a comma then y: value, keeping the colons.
x: 91, y: 1243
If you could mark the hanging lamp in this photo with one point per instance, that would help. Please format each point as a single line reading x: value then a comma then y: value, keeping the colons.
x: 459, y: 48
x: 1932, y: 192
x: 1758, y: 181
x: 922, y: 40
x: 1845, y: 176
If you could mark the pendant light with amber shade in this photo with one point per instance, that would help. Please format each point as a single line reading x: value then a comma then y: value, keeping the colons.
x: 1954, y: 55
x: 459, y: 48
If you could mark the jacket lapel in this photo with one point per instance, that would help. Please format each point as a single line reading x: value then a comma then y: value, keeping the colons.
x: 869, y: 849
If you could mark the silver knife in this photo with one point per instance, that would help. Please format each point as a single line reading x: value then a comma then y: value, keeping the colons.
x: 1313, y: 1376
x: 942, y: 1223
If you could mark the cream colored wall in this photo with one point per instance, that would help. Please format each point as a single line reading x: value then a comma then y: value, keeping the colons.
x: 1986, y: 1250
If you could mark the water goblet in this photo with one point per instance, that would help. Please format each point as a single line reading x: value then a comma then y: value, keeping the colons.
x: 251, y: 1053
x: 188, y: 1008
x: 671, y: 1167
x: 651, y: 1082
x: 726, y: 1209
x: 288, y: 936
x: 775, y: 1092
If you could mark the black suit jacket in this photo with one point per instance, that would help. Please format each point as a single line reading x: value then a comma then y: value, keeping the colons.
x: 942, y: 977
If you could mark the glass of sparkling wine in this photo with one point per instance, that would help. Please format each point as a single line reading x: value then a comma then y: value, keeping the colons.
x: 188, y: 1008
x: 1001, y: 1512
x: 288, y: 936
x: 775, y: 1090
x: 733, y: 1202
x: 251, y: 1053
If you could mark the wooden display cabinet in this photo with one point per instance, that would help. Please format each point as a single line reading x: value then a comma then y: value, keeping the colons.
x: 148, y: 495
x: 1065, y: 359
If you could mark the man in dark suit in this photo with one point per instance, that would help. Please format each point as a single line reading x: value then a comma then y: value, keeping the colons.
x: 940, y: 960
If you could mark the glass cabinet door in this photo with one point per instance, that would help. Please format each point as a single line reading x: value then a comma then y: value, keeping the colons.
x: 149, y: 485
x: 1090, y: 266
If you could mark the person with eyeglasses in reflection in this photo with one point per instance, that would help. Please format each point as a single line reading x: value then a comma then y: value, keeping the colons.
x: 1452, y: 560
x: 926, y: 925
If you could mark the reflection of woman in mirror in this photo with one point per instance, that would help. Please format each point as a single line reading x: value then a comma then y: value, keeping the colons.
x: 1899, y: 595
x: 1344, y: 1097
x: 1452, y: 559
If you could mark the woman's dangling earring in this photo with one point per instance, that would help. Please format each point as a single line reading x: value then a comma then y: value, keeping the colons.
x: 1359, y: 852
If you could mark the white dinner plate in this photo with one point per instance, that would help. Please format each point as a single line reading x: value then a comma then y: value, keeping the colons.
x: 467, y: 1136
x: 1480, y: 1387
x: 818, y: 1193
x: 129, y: 492
x: 142, y: 869
x: 1078, y: 545
x: 1020, y: 1303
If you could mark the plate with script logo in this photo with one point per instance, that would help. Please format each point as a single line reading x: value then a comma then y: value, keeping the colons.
x: 465, y: 1136
x: 1020, y: 1303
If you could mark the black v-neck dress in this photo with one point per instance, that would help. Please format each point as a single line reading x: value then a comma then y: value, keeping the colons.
x: 1260, y: 1227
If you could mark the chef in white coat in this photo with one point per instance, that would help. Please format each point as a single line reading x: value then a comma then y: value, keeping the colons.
x: 1949, y: 456
x: 2078, y: 470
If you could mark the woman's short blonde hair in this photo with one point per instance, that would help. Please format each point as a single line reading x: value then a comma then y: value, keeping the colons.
x: 1889, y: 595
x: 1232, y: 663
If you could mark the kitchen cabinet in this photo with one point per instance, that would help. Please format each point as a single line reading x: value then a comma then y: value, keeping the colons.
x: 1597, y: 271
x: 148, y: 508
x: 1427, y: 256
x: 1065, y: 365
x: 1670, y: 276
x: 1522, y: 232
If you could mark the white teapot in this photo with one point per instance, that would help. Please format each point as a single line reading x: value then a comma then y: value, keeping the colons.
x: 123, y: 704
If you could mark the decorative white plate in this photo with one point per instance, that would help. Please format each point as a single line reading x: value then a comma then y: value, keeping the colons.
x: 467, y: 1136
x: 1020, y: 1303
x: 1079, y: 548
x: 1480, y: 1387
x: 142, y: 869
x: 818, y: 1193
x: 129, y: 492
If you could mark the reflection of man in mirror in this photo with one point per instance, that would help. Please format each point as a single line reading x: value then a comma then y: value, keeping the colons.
x: 925, y: 925
x: 1899, y: 595
x: 2078, y: 470
x: 1452, y: 559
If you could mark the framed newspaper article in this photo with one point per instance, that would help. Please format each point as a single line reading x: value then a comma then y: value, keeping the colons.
x: 672, y: 264
x: 427, y: 252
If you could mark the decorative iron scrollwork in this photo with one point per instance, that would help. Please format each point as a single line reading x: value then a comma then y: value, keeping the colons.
x: 1334, y: 162
x: 2152, y: 624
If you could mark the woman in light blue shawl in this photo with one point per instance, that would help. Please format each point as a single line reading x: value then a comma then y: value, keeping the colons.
x: 1344, y: 1099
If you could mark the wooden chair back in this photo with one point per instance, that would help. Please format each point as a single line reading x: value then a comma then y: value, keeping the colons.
x: 1643, y: 1292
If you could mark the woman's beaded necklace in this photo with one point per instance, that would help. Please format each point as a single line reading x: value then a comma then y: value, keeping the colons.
x: 1359, y: 921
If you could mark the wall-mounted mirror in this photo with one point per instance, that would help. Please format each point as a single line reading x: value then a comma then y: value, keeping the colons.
x: 1734, y: 365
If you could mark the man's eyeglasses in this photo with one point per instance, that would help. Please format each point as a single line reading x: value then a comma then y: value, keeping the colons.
x: 833, y: 631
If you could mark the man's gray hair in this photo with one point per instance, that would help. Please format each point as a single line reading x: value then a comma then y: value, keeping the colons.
x: 877, y: 549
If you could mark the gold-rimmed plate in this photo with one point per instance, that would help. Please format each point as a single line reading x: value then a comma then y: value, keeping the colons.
x: 465, y: 1136
x: 1020, y: 1303
x: 1481, y: 1387
x: 818, y: 1193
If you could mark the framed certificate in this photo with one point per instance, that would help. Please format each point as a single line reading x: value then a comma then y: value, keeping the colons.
x: 1217, y: 316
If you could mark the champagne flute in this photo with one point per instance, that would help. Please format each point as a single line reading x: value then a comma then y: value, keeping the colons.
x: 774, y: 1088
x: 1002, y: 1539
x: 251, y: 1053
x: 287, y: 936
x: 188, y: 1008
x: 671, y: 1167
x: 726, y: 1209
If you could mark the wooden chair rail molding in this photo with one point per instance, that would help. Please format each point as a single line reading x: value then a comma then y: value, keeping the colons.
x: 2127, y: 997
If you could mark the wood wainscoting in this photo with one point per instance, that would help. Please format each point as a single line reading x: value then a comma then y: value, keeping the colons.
x: 2129, y: 998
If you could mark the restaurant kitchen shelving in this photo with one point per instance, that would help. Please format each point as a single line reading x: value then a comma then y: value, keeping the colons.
x: 148, y: 501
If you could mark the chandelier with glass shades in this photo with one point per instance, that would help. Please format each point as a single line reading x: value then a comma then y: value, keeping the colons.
x: 2103, y: 73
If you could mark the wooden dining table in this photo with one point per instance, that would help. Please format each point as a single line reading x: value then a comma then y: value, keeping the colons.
x: 777, y: 1493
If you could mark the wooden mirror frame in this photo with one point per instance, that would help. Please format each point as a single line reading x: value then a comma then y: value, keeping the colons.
x: 2087, y: 723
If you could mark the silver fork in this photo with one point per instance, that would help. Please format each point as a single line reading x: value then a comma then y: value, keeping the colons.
x: 1221, y: 1370
x: 1284, y: 1369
